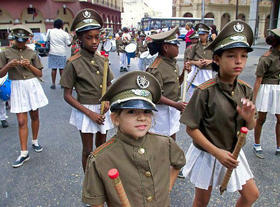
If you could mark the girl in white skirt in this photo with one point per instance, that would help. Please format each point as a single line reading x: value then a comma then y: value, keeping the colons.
x: 24, y: 67
x: 215, y: 114
x: 267, y: 90
x: 84, y: 71
x: 164, y: 68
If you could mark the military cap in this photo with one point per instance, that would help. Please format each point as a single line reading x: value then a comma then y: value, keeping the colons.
x: 134, y: 90
x: 275, y: 31
x: 166, y: 37
x: 190, y: 24
x: 235, y: 34
x: 21, y: 32
x: 194, y: 35
x: 153, y: 32
x: 86, y: 19
x: 201, y: 28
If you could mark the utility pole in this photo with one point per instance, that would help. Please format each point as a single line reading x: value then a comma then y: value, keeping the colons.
x: 236, y: 10
x: 202, y: 11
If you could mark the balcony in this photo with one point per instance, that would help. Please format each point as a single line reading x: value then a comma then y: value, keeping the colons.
x: 104, y: 3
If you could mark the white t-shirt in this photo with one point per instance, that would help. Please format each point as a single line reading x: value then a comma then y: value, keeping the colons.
x: 59, y: 39
x: 126, y: 37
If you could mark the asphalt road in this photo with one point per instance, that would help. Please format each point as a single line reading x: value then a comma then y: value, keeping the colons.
x: 54, y: 176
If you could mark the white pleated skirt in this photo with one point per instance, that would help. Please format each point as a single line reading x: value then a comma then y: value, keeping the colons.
x: 27, y: 95
x: 268, y: 99
x: 86, y: 125
x: 165, y: 120
x: 205, y: 170
x: 201, y: 77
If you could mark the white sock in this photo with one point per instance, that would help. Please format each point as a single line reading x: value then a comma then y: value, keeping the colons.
x: 35, y: 142
x: 257, y: 147
x: 24, y: 153
x: 278, y: 149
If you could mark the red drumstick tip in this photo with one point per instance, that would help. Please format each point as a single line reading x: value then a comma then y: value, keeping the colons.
x: 113, y: 173
x: 102, y: 52
x: 244, y: 130
x: 106, y: 55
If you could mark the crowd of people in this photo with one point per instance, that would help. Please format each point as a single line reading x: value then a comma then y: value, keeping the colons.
x: 145, y: 106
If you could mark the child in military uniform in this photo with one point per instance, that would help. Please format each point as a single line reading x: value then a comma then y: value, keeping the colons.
x: 148, y: 164
x: 84, y: 71
x: 142, y: 47
x: 165, y: 69
x: 24, y: 67
x: 266, y: 90
x: 215, y: 114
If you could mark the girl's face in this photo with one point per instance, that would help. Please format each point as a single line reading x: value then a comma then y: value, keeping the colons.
x: 90, y: 40
x: 171, y: 50
x: 133, y: 122
x: 20, y: 45
x: 231, y: 62
x: 203, y: 37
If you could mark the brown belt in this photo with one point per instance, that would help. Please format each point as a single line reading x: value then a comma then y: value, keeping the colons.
x: 271, y: 81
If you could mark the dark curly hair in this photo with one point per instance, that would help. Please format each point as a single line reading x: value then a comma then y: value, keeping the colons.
x: 58, y: 23
x: 272, y: 40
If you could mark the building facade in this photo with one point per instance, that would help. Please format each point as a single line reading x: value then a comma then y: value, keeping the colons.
x: 224, y: 11
x: 39, y: 15
x: 134, y: 11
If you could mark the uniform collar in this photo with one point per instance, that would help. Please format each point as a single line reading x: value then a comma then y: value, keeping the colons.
x: 87, y: 54
x: 169, y: 60
x: 131, y: 141
x: 15, y: 47
x: 226, y: 86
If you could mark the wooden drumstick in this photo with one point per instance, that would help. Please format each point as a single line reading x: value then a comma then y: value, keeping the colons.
x: 236, y: 151
x: 114, y: 175
x: 104, y: 81
x: 184, y: 86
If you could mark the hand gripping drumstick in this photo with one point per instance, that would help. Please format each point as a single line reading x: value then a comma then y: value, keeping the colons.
x: 236, y: 151
x: 114, y: 175
x: 104, y: 81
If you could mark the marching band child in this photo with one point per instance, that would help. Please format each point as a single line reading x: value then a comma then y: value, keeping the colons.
x: 148, y: 164
x: 266, y: 90
x: 84, y: 71
x: 24, y: 67
x: 166, y: 71
x: 216, y: 112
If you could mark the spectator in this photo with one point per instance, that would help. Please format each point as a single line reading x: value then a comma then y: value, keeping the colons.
x: 189, y: 27
x: 59, y: 41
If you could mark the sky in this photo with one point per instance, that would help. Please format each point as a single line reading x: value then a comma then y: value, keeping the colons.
x: 164, y: 6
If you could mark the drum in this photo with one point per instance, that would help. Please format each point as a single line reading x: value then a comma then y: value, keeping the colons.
x: 114, y: 46
x: 107, y: 45
x: 5, y: 88
x: 144, y: 54
x: 130, y: 50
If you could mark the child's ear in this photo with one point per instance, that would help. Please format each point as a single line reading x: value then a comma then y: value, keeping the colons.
x: 216, y: 59
x: 115, y: 119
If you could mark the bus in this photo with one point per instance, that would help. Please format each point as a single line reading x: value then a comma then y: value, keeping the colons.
x: 162, y: 23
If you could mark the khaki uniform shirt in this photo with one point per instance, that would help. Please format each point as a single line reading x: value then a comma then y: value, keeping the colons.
x: 166, y: 72
x: 144, y: 168
x: 212, y: 110
x: 20, y: 72
x: 198, y: 53
x: 269, y: 68
x: 187, y: 53
x: 141, y: 46
x: 84, y: 71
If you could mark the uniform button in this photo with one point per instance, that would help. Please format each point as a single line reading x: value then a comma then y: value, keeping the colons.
x: 92, y: 62
x: 148, y: 174
x: 100, y: 86
x: 141, y: 151
x: 149, y: 198
x: 97, y: 72
x: 177, y: 78
x: 21, y: 57
x: 232, y: 93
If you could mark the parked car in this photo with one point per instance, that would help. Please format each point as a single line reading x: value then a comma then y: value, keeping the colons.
x: 40, y: 41
x: 183, y: 33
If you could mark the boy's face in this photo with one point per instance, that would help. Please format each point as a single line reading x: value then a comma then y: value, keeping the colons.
x: 90, y: 40
x: 203, y: 37
x: 133, y: 122
x: 172, y: 50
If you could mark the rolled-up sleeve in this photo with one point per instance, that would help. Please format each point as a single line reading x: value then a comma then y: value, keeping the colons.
x: 93, y: 188
x: 177, y: 156
x: 262, y: 67
x: 68, y: 77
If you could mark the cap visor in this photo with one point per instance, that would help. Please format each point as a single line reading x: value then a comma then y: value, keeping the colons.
x: 133, y: 104
x: 202, y: 32
x: 20, y: 39
x: 238, y: 45
x: 87, y: 28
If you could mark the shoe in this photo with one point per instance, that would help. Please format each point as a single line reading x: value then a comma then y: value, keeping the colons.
x: 277, y: 153
x: 128, y: 66
x: 125, y: 70
x: 121, y: 69
x: 180, y: 175
x: 258, y: 153
x: 38, y: 148
x: 52, y: 87
x: 4, y: 124
x: 20, y: 160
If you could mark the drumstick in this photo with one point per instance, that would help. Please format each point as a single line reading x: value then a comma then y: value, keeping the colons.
x: 114, y: 175
x: 104, y: 81
x: 185, y: 86
x: 236, y: 151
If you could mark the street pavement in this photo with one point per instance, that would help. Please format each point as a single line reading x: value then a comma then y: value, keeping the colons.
x: 54, y: 176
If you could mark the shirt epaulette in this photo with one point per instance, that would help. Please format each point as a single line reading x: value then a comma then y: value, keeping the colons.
x: 207, y: 84
x: 74, y: 57
x: 104, y: 146
x: 244, y: 83
x: 155, y: 63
